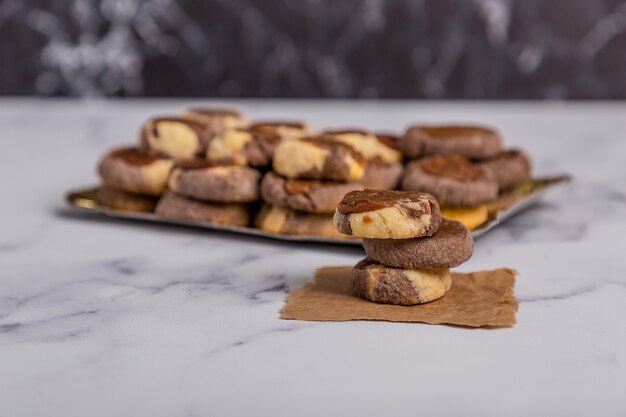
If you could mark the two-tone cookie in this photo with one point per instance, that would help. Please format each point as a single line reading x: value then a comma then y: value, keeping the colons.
x: 286, y: 130
x: 283, y: 220
x: 472, y: 142
x: 510, y: 168
x: 175, y: 206
x: 387, y: 214
x: 244, y: 147
x: 130, y: 170
x: 318, y: 159
x: 448, y: 247
x: 175, y: 137
x: 399, y: 286
x: 305, y: 195
x: 216, y: 120
x: 205, y: 180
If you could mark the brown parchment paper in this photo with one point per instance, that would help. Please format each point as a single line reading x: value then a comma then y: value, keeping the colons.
x: 477, y: 299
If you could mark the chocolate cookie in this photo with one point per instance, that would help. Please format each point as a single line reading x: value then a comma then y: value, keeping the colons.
x: 205, y: 180
x: 382, y: 176
x: 511, y: 168
x: 216, y: 120
x: 286, y: 130
x: 387, y: 214
x: 175, y: 137
x: 373, y: 148
x: 123, y: 201
x: 302, y: 195
x: 176, y: 206
x: 450, y: 246
x: 453, y: 180
x: 388, y: 285
x: 129, y: 170
x: 318, y: 159
x: 244, y: 147
x: 282, y: 220
x: 473, y: 142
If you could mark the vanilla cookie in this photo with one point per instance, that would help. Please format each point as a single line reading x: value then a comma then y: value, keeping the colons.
x: 244, y: 147
x: 472, y: 142
x: 216, y: 120
x: 176, y: 206
x: 388, y: 285
x: 205, y: 180
x: 127, y: 169
x: 510, y: 168
x: 453, y: 180
x: 175, y: 137
x: 304, y: 195
x: 449, y: 247
x: 387, y: 214
x: 318, y: 159
x: 123, y: 201
x: 283, y: 220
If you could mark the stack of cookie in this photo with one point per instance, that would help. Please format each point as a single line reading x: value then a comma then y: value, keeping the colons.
x: 310, y: 176
x: 464, y: 167
x: 410, y: 248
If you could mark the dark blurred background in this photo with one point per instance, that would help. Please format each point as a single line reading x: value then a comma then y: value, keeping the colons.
x: 562, y: 49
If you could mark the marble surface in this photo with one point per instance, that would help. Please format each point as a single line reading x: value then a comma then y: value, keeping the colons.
x: 107, y: 318
x: 315, y: 48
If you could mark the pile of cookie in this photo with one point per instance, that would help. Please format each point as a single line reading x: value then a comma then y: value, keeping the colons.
x: 214, y: 165
x: 410, y: 247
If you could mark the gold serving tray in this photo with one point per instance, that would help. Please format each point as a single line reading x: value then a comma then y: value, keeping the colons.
x: 87, y: 200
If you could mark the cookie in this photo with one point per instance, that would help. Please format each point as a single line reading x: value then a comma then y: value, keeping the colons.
x: 471, y: 217
x: 472, y: 142
x: 303, y: 195
x: 129, y: 170
x: 216, y: 120
x: 244, y: 147
x: 123, y: 201
x: 450, y: 246
x: 453, y: 180
x: 282, y: 220
x: 373, y: 148
x: 387, y: 214
x: 405, y: 287
x: 510, y: 168
x: 286, y: 130
x: 382, y: 176
x: 318, y: 159
x: 205, y: 180
x: 175, y: 137
x: 176, y: 206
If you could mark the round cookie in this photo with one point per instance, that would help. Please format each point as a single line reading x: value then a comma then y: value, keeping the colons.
x: 472, y: 142
x: 453, y: 180
x: 388, y: 285
x: 282, y: 220
x: 123, y: 201
x: 176, y: 206
x: 205, y: 180
x: 216, y: 120
x: 450, y: 246
x: 510, y: 168
x: 386, y: 214
x: 286, y: 130
x: 175, y: 137
x: 374, y: 148
x: 382, y: 176
x: 129, y: 170
x: 318, y: 159
x: 244, y: 147
x: 302, y: 195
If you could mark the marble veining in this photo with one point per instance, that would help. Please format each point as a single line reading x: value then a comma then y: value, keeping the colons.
x: 107, y: 318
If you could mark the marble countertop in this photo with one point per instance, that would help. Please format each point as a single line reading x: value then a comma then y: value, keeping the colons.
x: 112, y: 318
